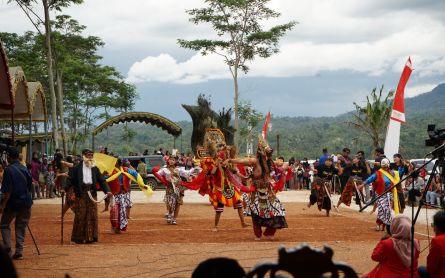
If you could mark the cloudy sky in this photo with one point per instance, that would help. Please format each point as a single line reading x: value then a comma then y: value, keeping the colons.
x: 337, y: 53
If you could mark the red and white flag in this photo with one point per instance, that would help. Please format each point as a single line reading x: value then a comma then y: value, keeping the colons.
x: 398, y: 106
x: 266, y: 126
x: 392, y: 140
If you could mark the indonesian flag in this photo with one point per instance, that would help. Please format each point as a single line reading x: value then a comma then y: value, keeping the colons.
x: 392, y: 140
x: 398, y: 106
x: 266, y: 125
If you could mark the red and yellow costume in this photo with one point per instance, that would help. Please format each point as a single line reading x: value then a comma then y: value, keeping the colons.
x: 382, y: 180
x: 119, y: 183
x: 221, y: 187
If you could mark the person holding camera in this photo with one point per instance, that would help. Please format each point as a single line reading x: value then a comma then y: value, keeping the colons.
x: 16, y: 203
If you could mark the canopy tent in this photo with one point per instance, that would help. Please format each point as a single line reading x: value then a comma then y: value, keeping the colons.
x: 20, y: 94
x: 29, y: 103
x: 6, y: 95
x: 20, y: 101
x: 37, y: 101
x: 143, y: 117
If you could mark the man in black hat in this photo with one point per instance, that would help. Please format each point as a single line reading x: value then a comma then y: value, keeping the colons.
x: 83, y: 179
x: 16, y: 203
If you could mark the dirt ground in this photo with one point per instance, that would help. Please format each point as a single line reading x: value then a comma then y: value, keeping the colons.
x: 151, y: 248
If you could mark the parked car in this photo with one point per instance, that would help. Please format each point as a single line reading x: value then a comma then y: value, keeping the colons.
x: 428, y: 167
x: 151, y: 161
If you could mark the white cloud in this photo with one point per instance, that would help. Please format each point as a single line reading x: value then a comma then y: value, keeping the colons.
x: 164, y: 68
x: 369, y: 36
x: 330, y: 37
x: 308, y: 58
x: 412, y: 91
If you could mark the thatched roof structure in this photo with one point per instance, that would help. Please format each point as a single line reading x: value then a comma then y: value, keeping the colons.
x: 143, y: 117
x: 20, y: 93
x: 37, y: 101
x: 6, y: 95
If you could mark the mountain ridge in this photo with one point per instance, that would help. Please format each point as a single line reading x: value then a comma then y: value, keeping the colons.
x: 304, y: 136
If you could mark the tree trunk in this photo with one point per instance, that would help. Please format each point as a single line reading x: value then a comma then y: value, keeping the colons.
x: 61, y: 112
x: 74, y: 150
x: 106, y: 118
x: 376, y: 141
x: 49, y: 57
x: 85, y: 128
x: 235, y: 100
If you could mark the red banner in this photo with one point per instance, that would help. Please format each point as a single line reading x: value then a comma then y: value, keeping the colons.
x: 398, y: 106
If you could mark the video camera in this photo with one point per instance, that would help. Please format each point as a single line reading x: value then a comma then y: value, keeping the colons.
x: 437, y: 140
x: 437, y: 136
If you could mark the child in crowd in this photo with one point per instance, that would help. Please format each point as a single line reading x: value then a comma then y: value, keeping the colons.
x: 50, y: 181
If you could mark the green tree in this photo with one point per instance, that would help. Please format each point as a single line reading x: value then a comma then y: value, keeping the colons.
x: 249, y: 119
x: 49, y: 5
x: 88, y: 87
x: 372, y: 119
x: 241, y: 38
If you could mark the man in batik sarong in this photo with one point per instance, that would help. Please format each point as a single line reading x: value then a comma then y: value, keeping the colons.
x: 381, y: 180
x: 321, y: 188
x: 356, y: 173
x: 83, y: 179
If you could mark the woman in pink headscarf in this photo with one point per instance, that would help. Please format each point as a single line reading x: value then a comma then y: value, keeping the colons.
x: 394, y: 253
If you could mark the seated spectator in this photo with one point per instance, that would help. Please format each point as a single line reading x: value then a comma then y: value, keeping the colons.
x: 394, y: 253
x: 219, y: 268
x: 435, y: 262
x: 415, y: 188
x: 433, y: 192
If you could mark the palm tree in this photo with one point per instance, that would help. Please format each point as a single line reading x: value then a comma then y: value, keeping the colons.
x: 373, y: 118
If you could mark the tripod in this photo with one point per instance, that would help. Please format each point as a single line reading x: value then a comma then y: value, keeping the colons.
x: 439, y: 162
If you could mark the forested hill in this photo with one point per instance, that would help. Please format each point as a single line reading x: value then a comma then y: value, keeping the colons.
x: 429, y: 103
x: 304, y: 136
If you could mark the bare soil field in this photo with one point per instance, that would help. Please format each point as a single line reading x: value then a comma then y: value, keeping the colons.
x: 151, y: 248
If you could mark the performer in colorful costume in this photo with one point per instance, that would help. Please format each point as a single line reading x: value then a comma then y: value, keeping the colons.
x: 321, y: 187
x: 241, y: 174
x: 320, y: 195
x: 266, y: 209
x: 119, y: 182
x: 381, y: 180
x: 170, y: 176
x: 216, y: 180
x: 356, y: 173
